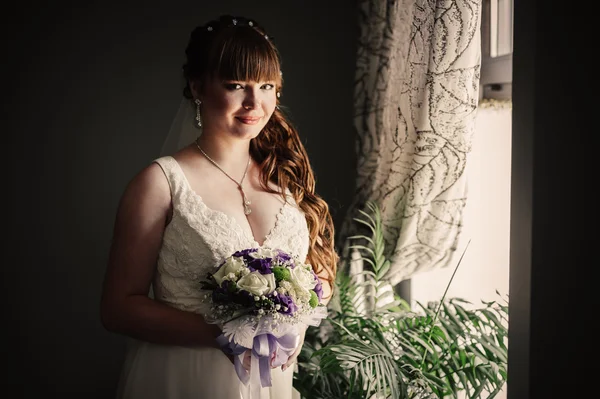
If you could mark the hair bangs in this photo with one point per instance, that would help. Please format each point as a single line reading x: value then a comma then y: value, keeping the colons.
x: 246, y: 55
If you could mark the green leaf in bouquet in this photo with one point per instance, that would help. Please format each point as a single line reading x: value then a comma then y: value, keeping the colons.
x: 281, y: 273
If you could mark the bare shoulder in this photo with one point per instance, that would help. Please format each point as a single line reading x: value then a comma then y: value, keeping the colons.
x: 146, y: 199
x: 188, y: 159
x: 139, y: 226
x: 149, y: 187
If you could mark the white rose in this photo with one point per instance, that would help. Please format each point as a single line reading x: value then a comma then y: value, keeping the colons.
x: 257, y: 284
x: 233, y: 265
x: 263, y: 253
x: 303, y: 278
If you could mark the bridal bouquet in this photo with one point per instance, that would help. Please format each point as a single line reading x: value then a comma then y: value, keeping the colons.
x: 263, y: 299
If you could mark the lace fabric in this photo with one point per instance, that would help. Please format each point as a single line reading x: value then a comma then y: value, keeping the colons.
x: 198, y: 238
x: 194, y: 243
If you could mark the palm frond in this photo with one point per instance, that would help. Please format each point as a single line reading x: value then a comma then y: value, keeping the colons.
x: 373, y: 345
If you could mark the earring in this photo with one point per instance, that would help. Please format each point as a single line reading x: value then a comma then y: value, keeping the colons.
x: 198, y: 116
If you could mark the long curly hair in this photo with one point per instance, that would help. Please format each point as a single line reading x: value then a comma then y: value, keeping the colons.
x: 238, y: 49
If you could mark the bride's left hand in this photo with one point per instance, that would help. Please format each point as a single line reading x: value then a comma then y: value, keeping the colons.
x: 294, y: 355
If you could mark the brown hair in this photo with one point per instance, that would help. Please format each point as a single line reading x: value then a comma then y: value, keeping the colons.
x: 238, y: 49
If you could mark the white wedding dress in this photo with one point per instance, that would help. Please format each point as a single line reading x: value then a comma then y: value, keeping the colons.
x: 195, y: 241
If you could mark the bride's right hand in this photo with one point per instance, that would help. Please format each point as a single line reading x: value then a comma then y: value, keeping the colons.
x: 247, y: 359
x: 246, y: 362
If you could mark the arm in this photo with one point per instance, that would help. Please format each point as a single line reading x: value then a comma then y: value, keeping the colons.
x: 137, y: 237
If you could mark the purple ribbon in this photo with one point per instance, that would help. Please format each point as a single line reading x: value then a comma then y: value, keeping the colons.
x: 267, y: 351
x: 231, y: 348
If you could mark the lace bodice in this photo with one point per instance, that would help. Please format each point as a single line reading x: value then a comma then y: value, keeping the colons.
x: 198, y: 238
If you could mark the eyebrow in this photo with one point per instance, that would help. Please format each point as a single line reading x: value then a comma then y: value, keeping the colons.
x: 271, y: 82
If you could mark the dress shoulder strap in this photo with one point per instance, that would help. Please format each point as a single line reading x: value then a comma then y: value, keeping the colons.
x: 174, y: 175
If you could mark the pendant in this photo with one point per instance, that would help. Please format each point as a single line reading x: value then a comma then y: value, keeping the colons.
x: 247, y: 204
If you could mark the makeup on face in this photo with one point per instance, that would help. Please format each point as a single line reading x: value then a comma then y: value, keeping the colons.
x: 240, y: 107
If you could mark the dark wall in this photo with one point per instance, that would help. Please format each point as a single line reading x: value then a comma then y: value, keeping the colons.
x: 553, y: 296
x: 89, y: 94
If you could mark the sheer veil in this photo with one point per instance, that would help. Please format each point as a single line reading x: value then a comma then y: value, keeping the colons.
x: 183, y: 130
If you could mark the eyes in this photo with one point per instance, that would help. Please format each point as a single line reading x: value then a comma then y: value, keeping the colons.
x: 238, y: 86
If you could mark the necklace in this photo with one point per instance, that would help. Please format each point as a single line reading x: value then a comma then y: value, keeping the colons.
x: 247, y: 202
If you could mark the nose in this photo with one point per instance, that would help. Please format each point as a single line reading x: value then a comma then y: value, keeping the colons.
x: 250, y: 100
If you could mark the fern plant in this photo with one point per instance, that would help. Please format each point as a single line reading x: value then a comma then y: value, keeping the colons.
x: 373, y: 345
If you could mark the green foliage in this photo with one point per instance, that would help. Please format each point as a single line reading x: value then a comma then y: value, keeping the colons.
x: 373, y: 345
x: 314, y: 300
x: 281, y: 273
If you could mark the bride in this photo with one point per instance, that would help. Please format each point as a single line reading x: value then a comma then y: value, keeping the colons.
x: 244, y: 182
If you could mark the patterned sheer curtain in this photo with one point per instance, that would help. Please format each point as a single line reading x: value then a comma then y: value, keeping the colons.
x: 416, y: 96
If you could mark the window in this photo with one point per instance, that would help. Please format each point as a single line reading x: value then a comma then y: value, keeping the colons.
x: 496, y: 49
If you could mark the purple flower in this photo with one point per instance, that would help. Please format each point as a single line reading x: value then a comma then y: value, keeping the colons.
x: 319, y: 289
x: 224, y: 292
x: 245, y: 254
x: 284, y: 258
x: 244, y: 298
x: 286, y: 302
x: 262, y: 265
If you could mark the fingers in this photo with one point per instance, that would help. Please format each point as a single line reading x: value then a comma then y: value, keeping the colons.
x: 247, y: 360
x: 291, y: 359
x: 288, y: 363
x: 246, y: 363
x: 296, y: 353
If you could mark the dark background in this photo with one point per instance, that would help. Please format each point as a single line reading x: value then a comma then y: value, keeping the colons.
x: 90, y: 91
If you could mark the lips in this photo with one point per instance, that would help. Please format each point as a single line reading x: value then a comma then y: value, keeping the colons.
x: 249, y: 120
